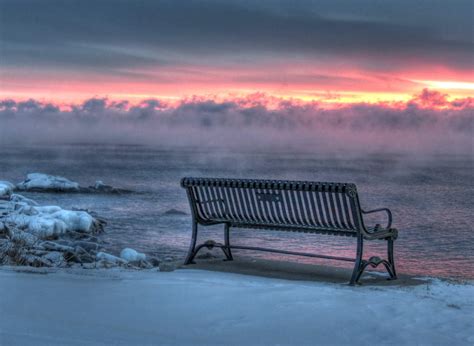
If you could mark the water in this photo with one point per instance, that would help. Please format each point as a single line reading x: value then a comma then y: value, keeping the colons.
x: 431, y: 198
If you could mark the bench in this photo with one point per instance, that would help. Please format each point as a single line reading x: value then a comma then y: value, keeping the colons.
x: 295, y: 206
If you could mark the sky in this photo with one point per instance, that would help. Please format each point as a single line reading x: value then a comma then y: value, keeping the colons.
x: 312, y: 75
x: 331, y: 52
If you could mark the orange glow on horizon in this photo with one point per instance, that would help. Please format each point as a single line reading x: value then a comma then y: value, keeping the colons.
x: 305, y: 83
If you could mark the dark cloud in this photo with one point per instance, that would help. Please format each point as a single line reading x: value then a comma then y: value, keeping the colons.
x: 122, y: 34
x: 240, y: 123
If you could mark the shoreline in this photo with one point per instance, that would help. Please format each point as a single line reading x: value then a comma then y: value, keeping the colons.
x: 257, y: 268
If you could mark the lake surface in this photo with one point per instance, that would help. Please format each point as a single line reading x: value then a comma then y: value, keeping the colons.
x: 431, y: 198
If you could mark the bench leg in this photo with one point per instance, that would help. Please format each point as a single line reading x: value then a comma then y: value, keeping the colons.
x: 374, y: 261
x: 227, y: 251
x: 359, y: 265
x: 192, y: 246
x: 391, y: 260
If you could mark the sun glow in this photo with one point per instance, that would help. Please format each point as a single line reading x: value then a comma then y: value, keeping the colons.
x: 451, y: 85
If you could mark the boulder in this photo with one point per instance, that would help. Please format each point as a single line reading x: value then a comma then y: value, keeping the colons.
x: 173, y: 211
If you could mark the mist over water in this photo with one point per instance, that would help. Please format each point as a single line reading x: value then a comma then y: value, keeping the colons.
x: 430, y: 195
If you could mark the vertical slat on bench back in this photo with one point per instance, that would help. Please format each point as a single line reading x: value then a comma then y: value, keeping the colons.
x: 306, y: 204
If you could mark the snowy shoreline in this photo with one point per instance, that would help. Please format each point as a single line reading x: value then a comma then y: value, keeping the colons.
x: 118, y: 306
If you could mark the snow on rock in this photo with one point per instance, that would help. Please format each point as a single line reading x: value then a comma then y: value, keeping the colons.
x: 46, y: 235
x: 46, y: 182
x: 40, y: 182
x: 78, y: 221
x: 6, y: 189
x: 131, y: 255
x: 51, y: 221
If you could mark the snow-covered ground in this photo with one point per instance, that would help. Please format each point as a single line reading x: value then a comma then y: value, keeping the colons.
x: 197, y: 307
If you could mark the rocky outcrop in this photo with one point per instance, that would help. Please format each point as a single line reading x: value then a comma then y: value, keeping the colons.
x: 40, y: 182
x: 49, y: 236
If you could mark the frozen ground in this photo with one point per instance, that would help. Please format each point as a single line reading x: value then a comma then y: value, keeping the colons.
x: 198, y: 307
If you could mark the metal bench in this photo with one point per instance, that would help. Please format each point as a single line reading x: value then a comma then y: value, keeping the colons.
x: 296, y: 206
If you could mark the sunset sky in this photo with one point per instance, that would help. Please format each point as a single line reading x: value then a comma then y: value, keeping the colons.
x: 327, y: 51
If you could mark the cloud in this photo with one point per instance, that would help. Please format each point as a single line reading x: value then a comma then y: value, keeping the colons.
x: 119, y: 35
x: 250, y: 122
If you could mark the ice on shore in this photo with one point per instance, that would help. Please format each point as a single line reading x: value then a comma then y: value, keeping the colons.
x: 6, y: 189
x: 46, y: 182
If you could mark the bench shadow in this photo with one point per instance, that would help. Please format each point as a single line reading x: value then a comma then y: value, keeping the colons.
x: 299, y: 271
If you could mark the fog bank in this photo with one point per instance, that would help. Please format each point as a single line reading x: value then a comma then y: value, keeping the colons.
x: 427, y: 123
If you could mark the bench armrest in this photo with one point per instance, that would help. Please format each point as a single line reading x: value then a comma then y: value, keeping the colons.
x: 389, y: 214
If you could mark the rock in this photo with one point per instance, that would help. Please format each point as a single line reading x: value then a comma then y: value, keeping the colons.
x: 52, y: 246
x: 155, y: 262
x: 103, y: 256
x: 89, y: 265
x: 100, y: 187
x: 32, y: 260
x: 141, y: 264
x: 24, y: 238
x: 6, y: 189
x: 167, y: 266
x: 87, y: 246
x: 47, y: 183
x: 55, y: 258
x: 131, y: 255
x: 173, y: 211
x: 82, y: 256
x: 22, y: 199
x: 65, y: 242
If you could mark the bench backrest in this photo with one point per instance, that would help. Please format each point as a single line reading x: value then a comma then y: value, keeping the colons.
x: 313, y: 205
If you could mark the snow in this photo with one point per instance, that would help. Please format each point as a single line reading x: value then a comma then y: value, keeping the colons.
x: 45, y: 182
x: 6, y: 188
x: 131, y: 255
x: 196, y: 307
